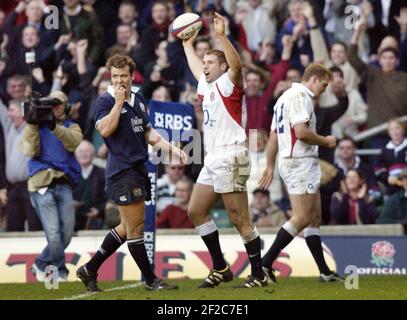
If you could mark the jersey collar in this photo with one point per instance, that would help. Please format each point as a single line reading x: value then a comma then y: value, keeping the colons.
x: 300, y: 86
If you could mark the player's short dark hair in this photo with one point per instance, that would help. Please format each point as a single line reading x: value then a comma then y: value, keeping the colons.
x: 128, y: 3
x: 358, y: 172
x: 219, y: 54
x: 257, y: 73
x: 120, y: 61
x: 318, y: 70
x: 347, y: 138
x: 262, y: 191
x: 202, y: 39
x: 160, y: 2
x: 336, y: 69
x: 343, y: 44
x: 389, y: 49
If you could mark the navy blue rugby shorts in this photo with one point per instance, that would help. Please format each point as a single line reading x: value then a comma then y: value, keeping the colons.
x: 129, y: 186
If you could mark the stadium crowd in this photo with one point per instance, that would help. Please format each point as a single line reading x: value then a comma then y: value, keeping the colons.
x: 364, y: 43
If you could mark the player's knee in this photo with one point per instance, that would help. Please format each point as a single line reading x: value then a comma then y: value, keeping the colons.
x: 302, y: 222
x: 237, y: 220
x: 197, y: 217
x: 135, y: 230
x: 315, y: 221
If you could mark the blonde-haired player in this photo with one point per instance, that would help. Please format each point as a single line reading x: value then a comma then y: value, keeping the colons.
x: 293, y: 135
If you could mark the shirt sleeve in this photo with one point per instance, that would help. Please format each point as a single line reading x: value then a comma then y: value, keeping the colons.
x: 201, y: 87
x: 297, y: 109
x: 228, y: 89
x: 146, y: 117
x: 100, y: 109
x: 273, y: 122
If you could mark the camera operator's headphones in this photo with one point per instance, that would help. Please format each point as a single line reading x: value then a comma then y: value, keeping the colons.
x: 62, y: 98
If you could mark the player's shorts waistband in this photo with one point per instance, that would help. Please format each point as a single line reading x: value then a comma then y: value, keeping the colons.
x: 227, y: 148
x: 298, y: 158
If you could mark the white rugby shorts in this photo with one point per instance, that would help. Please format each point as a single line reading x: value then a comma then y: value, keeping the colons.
x: 300, y: 175
x: 226, y: 169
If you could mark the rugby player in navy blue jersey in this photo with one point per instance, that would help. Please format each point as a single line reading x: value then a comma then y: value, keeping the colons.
x: 122, y: 120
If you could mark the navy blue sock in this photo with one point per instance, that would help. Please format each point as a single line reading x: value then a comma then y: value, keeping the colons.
x: 283, y: 238
x: 212, y: 243
x: 138, y: 252
x: 315, y: 246
x: 253, y: 251
x: 109, y: 245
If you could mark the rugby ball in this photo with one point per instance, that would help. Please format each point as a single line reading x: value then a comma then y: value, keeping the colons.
x: 185, y: 25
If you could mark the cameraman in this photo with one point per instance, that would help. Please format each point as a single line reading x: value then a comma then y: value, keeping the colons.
x: 53, y: 170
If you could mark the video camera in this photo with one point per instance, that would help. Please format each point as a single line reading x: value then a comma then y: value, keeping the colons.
x: 37, y: 109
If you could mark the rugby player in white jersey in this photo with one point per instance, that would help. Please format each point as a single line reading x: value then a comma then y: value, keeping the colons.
x: 293, y: 136
x: 226, y: 165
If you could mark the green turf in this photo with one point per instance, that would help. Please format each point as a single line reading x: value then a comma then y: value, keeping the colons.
x: 374, y: 287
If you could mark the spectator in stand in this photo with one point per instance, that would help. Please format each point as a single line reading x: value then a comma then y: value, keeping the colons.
x: 292, y: 75
x: 152, y: 35
x: 258, y: 97
x: 19, y: 208
x: 385, y: 88
x: 167, y: 73
x: 258, y: 24
x: 74, y: 76
x: 106, y: 13
x: 353, y: 205
x: 161, y: 93
x: 166, y: 185
x: 327, y: 115
x: 347, y: 160
x: 296, y: 27
x: 128, y: 15
x: 339, y: 26
x: 395, y: 207
x: 83, y: 24
x: 402, y: 21
x: 34, y: 11
x: 17, y: 88
x: 264, y: 212
x: 356, y: 114
x: 126, y: 41
x: 387, y: 42
x: 175, y: 215
x: 338, y: 53
x: 385, y: 13
x: 206, y: 9
x: 44, y: 58
x: 89, y: 195
x: 393, y: 158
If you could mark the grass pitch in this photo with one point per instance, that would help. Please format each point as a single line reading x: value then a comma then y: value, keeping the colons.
x: 373, y: 287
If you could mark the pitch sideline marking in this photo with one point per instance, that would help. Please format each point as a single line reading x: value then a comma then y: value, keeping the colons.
x: 80, y: 296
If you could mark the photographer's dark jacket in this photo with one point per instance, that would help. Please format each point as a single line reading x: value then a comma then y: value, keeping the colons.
x: 52, y: 154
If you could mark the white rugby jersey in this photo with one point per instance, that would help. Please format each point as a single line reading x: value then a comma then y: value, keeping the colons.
x: 224, y: 110
x: 293, y: 107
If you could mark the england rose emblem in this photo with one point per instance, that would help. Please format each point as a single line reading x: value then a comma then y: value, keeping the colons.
x: 383, y: 254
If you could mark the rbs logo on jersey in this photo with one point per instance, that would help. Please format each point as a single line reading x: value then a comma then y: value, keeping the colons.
x: 172, y: 122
